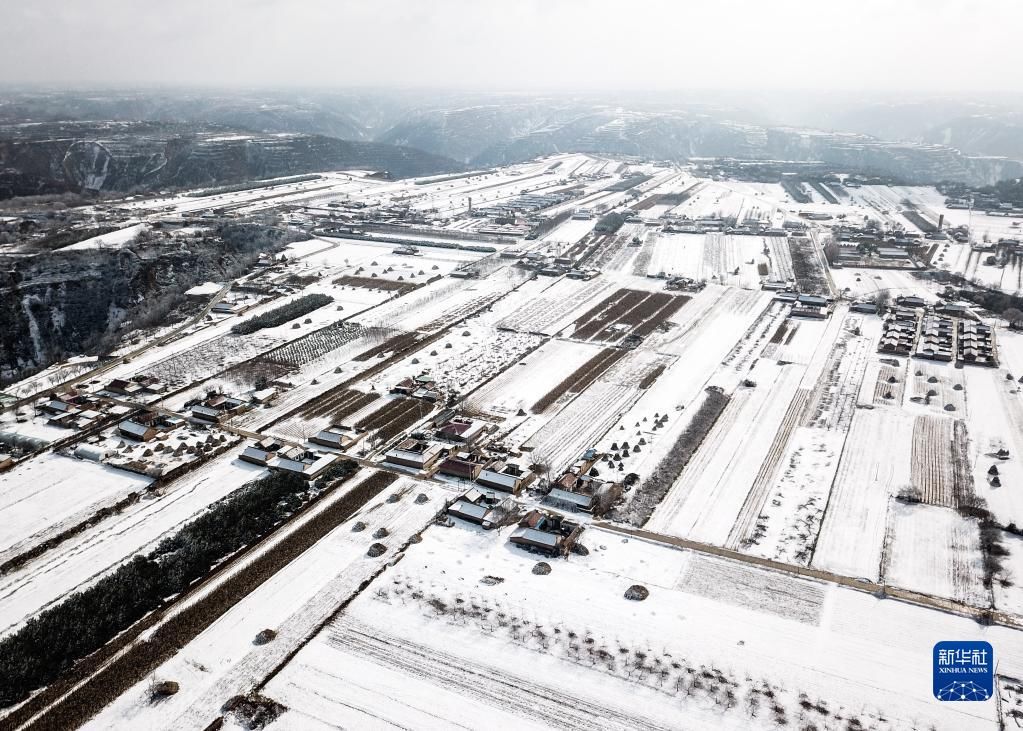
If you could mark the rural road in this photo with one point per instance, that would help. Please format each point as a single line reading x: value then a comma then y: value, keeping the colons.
x: 990, y: 616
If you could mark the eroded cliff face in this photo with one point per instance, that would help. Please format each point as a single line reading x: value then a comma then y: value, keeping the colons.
x: 140, y: 157
x: 64, y: 303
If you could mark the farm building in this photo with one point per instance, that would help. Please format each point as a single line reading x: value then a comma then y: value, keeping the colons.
x: 309, y: 465
x: 545, y: 532
x: 481, y: 507
x: 333, y: 438
x: 461, y: 431
x: 812, y: 300
x: 816, y: 313
x: 91, y: 452
x: 256, y: 455
x: 868, y: 308
x: 134, y: 430
x: 204, y: 413
x: 502, y: 476
x: 414, y: 453
x: 463, y: 465
x: 263, y: 396
x: 911, y: 302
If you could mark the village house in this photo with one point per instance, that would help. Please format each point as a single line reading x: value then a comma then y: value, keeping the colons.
x: 421, y: 387
x: 257, y: 456
x: 309, y: 465
x: 136, y: 431
x: 544, y: 532
x: 461, y: 431
x: 332, y: 437
x: 504, y: 476
x: 481, y: 507
x: 463, y: 465
x: 415, y: 453
x: 216, y: 408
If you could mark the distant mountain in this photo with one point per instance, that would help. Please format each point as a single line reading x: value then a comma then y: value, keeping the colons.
x: 63, y: 157
x: 981, y: 135
x: 918, y: 140
x: 680, y: 135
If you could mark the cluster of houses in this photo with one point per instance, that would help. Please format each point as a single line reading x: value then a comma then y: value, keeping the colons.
x: 148, y: 425
x: 936, y: 340
x: 548, y: 265
x: 454, y: 450
x: 422, y: 387
x: 136, y: 387
x: 864, y: 247
x: 815, y: 306
x: 898, y: 331
x: 716, y: 224
x: 538, y: 531
x: 76, y: 409
x: 216, y: 407
x: 945, y: 332
x: 307, y: 463
x: 976, y: 343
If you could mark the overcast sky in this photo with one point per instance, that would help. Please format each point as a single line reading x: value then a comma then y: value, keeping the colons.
x: 862, y: 45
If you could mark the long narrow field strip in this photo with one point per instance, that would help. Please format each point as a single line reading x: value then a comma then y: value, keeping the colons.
x: 744, y: 525
x: 607, y: 312
x: 931, y: 464
x: 395, y: 344
x: 707, y: 499
x: 626, y: 311
x: 389, y: 285
x: 873, y: 469
x: 339, y: 404
x: 583, y: 376
x: 395, y: 417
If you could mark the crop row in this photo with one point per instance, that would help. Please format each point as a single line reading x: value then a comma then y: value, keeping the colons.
x: 580, y: 378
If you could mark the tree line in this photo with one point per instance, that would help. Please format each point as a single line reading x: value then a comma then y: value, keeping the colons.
x: 49, y: 644
x: 285, y: 313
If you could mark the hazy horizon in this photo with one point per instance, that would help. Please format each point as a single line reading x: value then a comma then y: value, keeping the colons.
x: 923, y: 48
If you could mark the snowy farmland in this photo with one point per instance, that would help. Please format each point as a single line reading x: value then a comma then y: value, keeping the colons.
x: 428, y: 647
x: 795, y: 515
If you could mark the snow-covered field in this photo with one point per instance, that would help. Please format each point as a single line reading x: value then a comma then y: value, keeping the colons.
x: 717, y: 258
x: 50, y: 493
x: 431, y: 647
x: 224, y: 661
x: 829, y: 457
x: 90, y: 554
